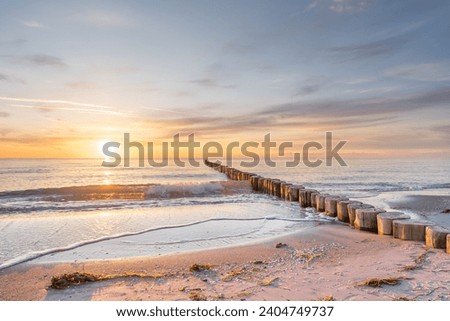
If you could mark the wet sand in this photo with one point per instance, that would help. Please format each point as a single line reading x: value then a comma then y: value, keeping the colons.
x: 435, y: 208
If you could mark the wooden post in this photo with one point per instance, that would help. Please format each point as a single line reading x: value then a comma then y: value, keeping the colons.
x: 305, y: 197
x: 286, y: 192
x: 302, y: 198
x: 266, y: 185
x: 342, y: 211
x: 261, y: 184
x: 410, y: 230
x: 384, y: 221
x: 366, y: 219
x: 254, y: 180
x: 276, y: 188
x: 293, y: 191
x: 351, y: 208
x: 436, y: 237
x: 448, y: 244
x: 331, y: 205
x: 320, y: 202
x: 314, y: 199
x: 283, y: 189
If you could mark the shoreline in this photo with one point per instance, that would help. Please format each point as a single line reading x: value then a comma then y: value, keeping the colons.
x: 326, y: 261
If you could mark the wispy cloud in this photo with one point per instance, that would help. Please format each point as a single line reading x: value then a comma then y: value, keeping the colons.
x: 8, y: 78
x: 339, y: 6
x: 385, y: 46
x: 438, y: 98
x: 342, y: 6
x: 4, y: 114
x: 233, y: 47
x: 5, y: 131
x: 37, y: 60
x: 13, y: 43
x: 47, y: 109
x: 210, y: 82
x: 438, y: 71
x: 48, y: 105
x: 33, y: 24
x: 326, y: 115
x: 83, y: 85
x: 40, y: 140
x: 312, y: 5
x: 308, y: 89
x: 51, y: 101
x: 105, y: 19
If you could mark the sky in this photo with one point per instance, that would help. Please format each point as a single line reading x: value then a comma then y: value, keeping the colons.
x: 76, y: 74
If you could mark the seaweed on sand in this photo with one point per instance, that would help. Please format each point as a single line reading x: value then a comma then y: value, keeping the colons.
x: 77, y: 278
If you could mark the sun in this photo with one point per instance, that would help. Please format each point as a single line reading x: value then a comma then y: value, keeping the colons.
x: 99, y: 149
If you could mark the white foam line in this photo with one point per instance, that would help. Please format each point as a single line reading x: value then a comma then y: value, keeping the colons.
x: 34, y: 255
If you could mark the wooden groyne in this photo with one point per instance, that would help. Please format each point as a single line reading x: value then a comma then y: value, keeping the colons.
x: 361, y: 216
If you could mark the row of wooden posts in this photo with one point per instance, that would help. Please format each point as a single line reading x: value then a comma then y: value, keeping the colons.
x: 361, y: 216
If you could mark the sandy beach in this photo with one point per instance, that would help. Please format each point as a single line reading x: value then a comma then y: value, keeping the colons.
x: 330, y: 261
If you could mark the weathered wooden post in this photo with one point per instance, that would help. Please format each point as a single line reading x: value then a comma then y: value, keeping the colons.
x: 366, y: 219
x: 276, y: 188
x: 320, y: 202
x: 436, y: 237
x: 410, y: 230
x: 342, y: 211
x: 448, y: 244
x: 331, y: 205
x: 254, y: 180
x: 313, y: 199
x: 305, y: 197
x: 261, y: 184
x: 293, y: 191
x: 384, y: 221
x: 352, y: 211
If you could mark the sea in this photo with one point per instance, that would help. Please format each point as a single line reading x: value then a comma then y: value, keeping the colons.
x: 72, y: 210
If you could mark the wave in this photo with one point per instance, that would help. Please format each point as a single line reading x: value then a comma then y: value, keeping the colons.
x: 128, y: 192
x: 37, y: 254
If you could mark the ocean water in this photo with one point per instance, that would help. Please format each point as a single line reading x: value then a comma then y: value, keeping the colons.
x: 53, y: 210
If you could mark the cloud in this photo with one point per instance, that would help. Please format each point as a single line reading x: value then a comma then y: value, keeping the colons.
x: 50, y: 101
x: 385, y: 46
x: 7, y: 78
x: 312, y: 5
x: 4, y: 114
x: 33, y: 24
x: 232, y: 47
x: 37, y: 60
x: 82, y: 85
x: 343, y: 6
x: 339, y: 6
x: 210, y: 82
x: 39, y: 140
x: 47, y: 109
x: 13, y: 43
x: 263, y: 121
x: 5, y: 131
x: 445, y: 129
x: 439, y: 71
x: 307, y: 90
x: 47, y: 105
x: 324, y: 114
x: 363, y: 107
x: 105, y: 19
